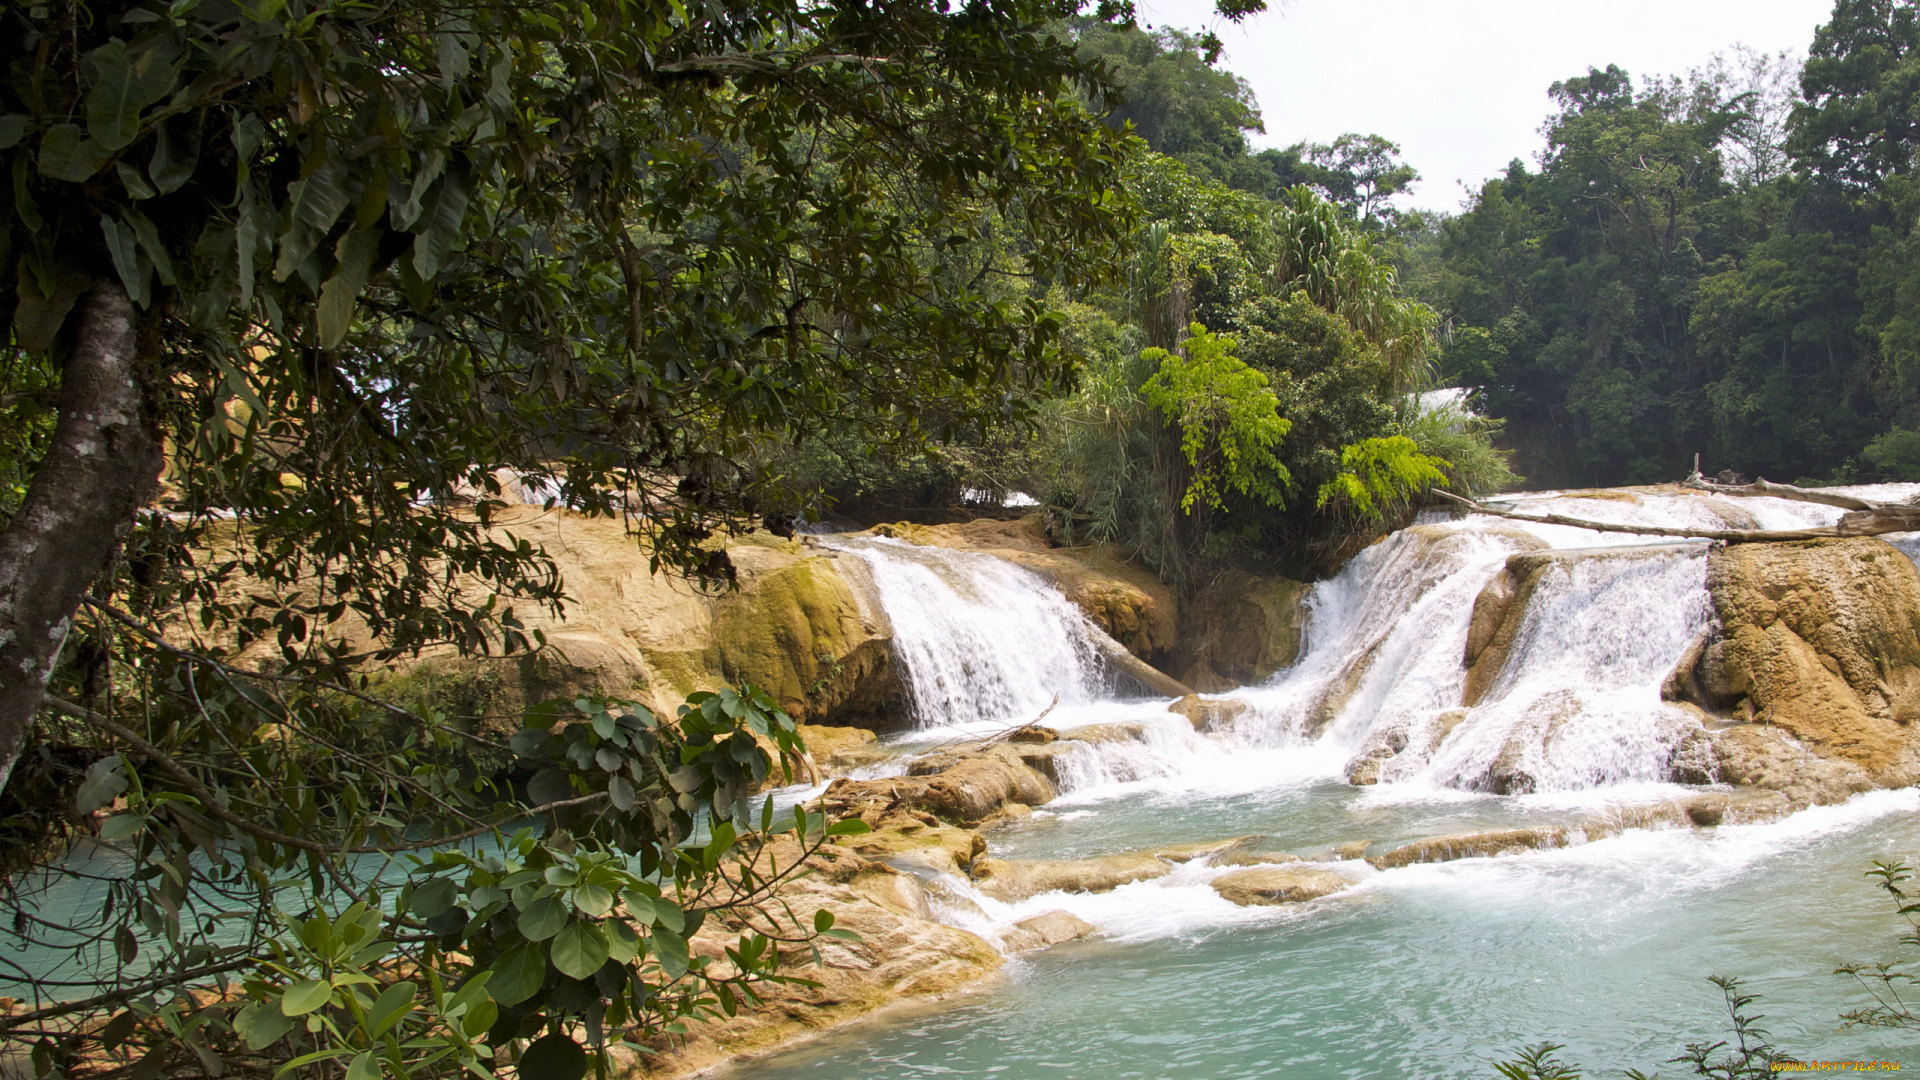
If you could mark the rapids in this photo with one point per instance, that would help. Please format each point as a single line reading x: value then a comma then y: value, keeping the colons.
x: 1424, y: 970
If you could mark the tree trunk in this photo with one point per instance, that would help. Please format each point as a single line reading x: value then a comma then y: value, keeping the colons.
x: 103, y: 466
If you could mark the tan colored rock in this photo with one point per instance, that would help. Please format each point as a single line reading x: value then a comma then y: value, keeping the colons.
x: 1241, y: 629
x: 1352, y: 849
x: 902, y: 956
x: 1282, y: 885
x: 1821, y: 640
x: 902, y: 840
x: 1045, y: 931
x: 1122, y: 731
x: 1472, y: 846
x: 800, y: 626
x: 1210, y: 715
x: 1763, y: 756
x: 1018, y: 879
x: 959, y: 787
x: 1500, y: 610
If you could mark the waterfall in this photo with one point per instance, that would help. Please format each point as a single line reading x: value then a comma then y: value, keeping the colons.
x: 981, y: 639
x: 1572, y: 703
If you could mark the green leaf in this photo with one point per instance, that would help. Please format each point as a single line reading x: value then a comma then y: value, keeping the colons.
x: 442, y: 223
x: 392, y: 1006
x: 364, y: 1067
x: 553, y: 1057
x: 13, y: 128
x: 543, y: 918
x: 620, y: 793
x: 132, y: 179
x: 433, y: 896
x: 121, y: 826
x: 318, y: 200
x: 338, y: 296
x: 150, y: 244
x: 176, y: 152
x: 103, y: 783
x: 580, y: 950
x: 261, y: 1024
x: 37, y: 318
x: 593, y: 900
x: 671, y: 948
x: 848, y: 826
x: 67, y: 154
x: 623, y: 942
x: 125, y: 82
x: 118, y: 1029
x: 305, y: 996
x: 822, y: 921
x: 128, y: 260
x: 518, y: 975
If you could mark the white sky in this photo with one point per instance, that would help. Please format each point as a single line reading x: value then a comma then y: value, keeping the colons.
x: 1461, y: 85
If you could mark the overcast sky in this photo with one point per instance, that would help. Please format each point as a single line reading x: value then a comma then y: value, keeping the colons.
x: 1461, y: 85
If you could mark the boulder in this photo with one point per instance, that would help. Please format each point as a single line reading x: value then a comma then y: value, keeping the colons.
x: 1818, y: 640
x: 1763, y: 756
x: 1281, y: 885
x: 1018, y: 879
x: 1240, y: 629
x: 1472, y: 846
x: 801, y: 625
x: 1043, y: 931
x: 1210, y: 715
x: 961, y: 787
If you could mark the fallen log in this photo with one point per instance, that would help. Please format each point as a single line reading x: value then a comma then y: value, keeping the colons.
x: 1879, y: 519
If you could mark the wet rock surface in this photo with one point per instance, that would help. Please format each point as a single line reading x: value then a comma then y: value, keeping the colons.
x: 1280, y: 885
x: 1044, y: 931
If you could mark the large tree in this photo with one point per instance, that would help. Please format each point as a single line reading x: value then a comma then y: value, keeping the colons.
x: 337, y: 264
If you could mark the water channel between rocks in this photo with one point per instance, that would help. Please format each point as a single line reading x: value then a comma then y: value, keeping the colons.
x: 1423, y: 970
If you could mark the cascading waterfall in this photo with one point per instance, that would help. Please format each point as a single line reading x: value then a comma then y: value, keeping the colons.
x: 981, y: 639
x: 1577, y: 702
x: 1364, y: 747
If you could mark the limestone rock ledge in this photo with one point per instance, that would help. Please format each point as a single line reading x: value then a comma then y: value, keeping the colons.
x: 903, y: 957
x: 1810, y: 681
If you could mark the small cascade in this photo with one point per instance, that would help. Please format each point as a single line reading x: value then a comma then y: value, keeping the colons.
x: 982, y: 640
x: 1577, y: 702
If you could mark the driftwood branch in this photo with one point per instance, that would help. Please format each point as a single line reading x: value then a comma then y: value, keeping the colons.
x: 1875, y: 520
x: 1762, y: 487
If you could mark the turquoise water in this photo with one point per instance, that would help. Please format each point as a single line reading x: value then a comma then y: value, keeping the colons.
x: 1422, y: 971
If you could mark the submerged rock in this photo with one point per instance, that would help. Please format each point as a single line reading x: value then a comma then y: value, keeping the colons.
x: 1472, y: 846
x: 1281, y: 885
x: 1018, y: 879
x: 1044, y: 931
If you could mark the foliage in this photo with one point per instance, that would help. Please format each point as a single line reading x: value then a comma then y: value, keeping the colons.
x: 1227, y: 419
x: 1538, y: 1063
x: 383, y: 911
x: 384, y: 253
x: 1887, y: 979
x: 1723, y: 264
x: 1376, y: 474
